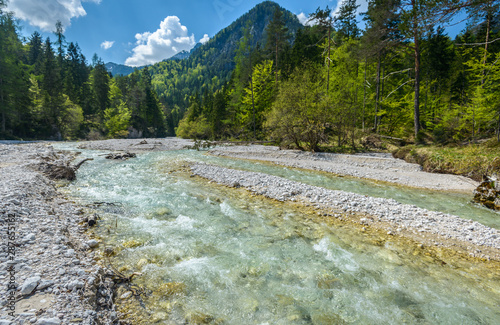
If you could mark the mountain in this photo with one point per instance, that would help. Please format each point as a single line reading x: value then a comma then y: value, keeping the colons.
x: 119, y: 69
x: 209, y: 66
x: 124, y: 70
x: 180, y: 56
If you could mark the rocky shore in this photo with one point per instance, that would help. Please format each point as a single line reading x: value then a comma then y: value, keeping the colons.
x: 429, y: 227
x: 379, y: 167
x: 48, y: 267
x: 137, y: 145
x: 47, y: 272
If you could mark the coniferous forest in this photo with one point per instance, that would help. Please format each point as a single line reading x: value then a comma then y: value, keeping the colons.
x: 267, y: 77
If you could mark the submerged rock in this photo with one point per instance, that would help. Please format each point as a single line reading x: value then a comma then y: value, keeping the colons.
x: 121, y: 156
x: 488, y: 194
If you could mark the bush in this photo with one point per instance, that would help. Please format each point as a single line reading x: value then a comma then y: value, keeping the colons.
x: 196, y: 129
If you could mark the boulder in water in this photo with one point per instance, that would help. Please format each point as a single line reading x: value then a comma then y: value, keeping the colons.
x: 488, y: 193
x: 121, y: 156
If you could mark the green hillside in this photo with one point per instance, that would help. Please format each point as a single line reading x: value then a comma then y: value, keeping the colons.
x: 209, y: 66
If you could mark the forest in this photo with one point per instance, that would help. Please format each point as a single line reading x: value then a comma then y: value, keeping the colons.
x: 327, y: 84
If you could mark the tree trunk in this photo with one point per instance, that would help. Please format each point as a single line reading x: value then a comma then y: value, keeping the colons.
x: 416, y: 107
x: 276, y: 61
x: 2, y: 106
x: 364, y: 98
x: 498, y: 128
x: 253, y: 107
x: 354, y: 120
x: 483, y: 74
x: 377, y: 93
x: 3, y: 121
x: 328, y: 62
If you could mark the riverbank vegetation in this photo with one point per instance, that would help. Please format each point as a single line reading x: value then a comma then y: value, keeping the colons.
x: 474, y: 160
x: 265, y: 77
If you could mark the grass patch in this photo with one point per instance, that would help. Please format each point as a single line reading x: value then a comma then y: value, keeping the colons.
x: 473, y: 160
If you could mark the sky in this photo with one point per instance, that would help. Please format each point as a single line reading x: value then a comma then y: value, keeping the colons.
x: 140, y: 32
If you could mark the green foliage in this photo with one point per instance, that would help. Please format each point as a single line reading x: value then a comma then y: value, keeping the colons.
x: 299, y: 115
x: 267, y: 77
x: 70, y: 119
x: 117, y: 120
x: 258, y: 96
x: 195, y: 129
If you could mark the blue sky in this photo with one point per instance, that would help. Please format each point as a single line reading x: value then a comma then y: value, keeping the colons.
x: 138, y: 32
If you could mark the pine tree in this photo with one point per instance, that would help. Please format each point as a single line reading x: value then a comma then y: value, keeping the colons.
x: 100, y: 86
x: 417, y: 18
x: 13, y: 77
x: 277, y: 38
x: 35, y: 52
x: 51, y: 86
x: 345, y: 21
x: 380, y: 37
x: 324, y: 20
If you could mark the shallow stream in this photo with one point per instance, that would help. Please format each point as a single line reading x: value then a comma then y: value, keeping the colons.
x: 215, y: 255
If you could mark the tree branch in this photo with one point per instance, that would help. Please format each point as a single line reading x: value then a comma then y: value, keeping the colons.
x: 400, y: 71
x: 478, y: 44
x: 392, y: 92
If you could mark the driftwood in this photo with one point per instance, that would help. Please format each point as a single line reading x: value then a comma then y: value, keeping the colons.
x: 120, y: 156
x: 119, y: 278
x: 61, y: 171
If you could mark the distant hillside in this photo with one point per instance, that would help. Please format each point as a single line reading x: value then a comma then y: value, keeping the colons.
x: 119, y: 69
x: 180, y: 56
x: 124, y: 70
x: 209, y: 66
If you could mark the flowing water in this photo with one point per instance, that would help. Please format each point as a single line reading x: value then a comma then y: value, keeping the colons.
x: 215, y: 255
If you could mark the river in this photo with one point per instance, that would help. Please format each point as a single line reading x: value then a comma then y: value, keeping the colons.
x: 214, y: 255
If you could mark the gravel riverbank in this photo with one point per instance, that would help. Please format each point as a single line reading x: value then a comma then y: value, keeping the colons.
x: 379, y: 167
x: 45, y: 253
x: 47, y: 265
x: 432, y: 228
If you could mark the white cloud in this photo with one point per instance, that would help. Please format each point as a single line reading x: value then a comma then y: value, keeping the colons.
x: 107, y: 44
x: 337, y: 9
x: 204, y: 39
x: 44, y: 14
x: 304, y: 20
x: 171, y: 38
x: 363, y: 6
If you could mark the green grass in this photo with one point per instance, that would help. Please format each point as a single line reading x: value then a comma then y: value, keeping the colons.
x: 473, y: 160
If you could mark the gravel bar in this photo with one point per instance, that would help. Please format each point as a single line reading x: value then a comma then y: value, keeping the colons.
x: 379, y: 167
x: 137, y: 145
x: 47, y: 270
x: 403, y: 217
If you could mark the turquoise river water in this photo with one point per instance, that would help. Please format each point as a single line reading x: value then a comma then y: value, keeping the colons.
x: 213, y: 255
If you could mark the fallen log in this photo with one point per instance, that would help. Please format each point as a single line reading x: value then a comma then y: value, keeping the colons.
x: 61, y: 171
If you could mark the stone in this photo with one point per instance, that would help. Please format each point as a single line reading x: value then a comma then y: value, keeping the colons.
x: 126, y: 295
x: 44, y: 284
x: 29, y: 285
x: 487, y: 194
x: 76, y: 284
x: 29, y: 237
x: 5, y: 322
x: 93, y: 243
x: 49, y: 321
x: 70, y: 253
